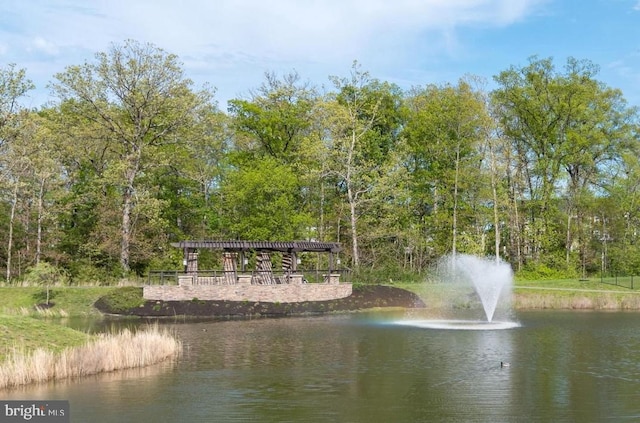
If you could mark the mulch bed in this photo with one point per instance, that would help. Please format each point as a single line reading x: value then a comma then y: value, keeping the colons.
x: 363, y: 297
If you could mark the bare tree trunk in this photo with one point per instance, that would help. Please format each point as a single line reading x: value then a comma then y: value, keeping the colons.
x: 354, y: 230
x: 517, y: 231
x: 514, y: 172
x: 127, y: 210
x: 125, y: 230
x: 494, y: 193
x: 568, y: 239
x: 352, y: 203
x: 455, y: 203
x: 40, y: 218
x: 14, y: 203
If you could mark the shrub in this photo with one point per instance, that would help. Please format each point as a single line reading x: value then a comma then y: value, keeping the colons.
x: 540, y: 271
x: 122, y: 299
x: 85, y: 272
x: 385, y: 276
x: 47, y: 275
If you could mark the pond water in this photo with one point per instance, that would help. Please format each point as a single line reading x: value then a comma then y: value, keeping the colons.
x: 564, y: 366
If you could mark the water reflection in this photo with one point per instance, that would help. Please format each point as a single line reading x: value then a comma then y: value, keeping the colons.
x: 565, y: 366
x: 457, y: 324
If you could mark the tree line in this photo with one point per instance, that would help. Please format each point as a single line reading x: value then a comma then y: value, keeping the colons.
x: 542, y: 171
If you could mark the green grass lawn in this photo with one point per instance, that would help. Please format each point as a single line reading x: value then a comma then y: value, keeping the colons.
x: 69, y: 301
x: 623, y: 284
x: 26, y: 334
x: 23, y: 328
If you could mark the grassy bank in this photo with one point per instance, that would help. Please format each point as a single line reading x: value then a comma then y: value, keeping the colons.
x: 63, y: 301
x: 34, y: 348
x: 583, y: 299
x: 589, y: 294
x: 28, y: 334
x: 102, y: 353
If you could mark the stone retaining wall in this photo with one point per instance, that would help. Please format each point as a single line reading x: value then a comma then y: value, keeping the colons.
x: 258, y: 293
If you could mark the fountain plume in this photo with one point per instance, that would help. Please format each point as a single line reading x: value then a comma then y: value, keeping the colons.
x: 491, y: 279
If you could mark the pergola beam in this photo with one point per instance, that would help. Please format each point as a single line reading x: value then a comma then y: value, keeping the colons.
x: 293, y: 248
x: 285, y: 247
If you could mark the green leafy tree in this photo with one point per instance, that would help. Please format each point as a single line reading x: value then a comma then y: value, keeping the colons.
x: 14, y: 165
x: 446, y: 127
x: 565, y: 128
x: 137, y: 98
x: 362, y: 123
x: 257, y: 203
x: 47, y: 275
x: 190, y: 184
x: 273, y: 128
x: 276, y: 119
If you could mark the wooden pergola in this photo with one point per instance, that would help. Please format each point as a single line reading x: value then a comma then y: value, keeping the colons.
x: 262, y: 283
x: 230, y: 249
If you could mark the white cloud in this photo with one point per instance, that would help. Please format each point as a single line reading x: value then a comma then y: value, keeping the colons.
x: 248, y: 37
x: 42, y: 45
x: 285, y: 29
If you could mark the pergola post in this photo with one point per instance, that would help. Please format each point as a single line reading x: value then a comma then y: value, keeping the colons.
x: 192, y: 262
x: 262, y: 249
x: 243, y: 261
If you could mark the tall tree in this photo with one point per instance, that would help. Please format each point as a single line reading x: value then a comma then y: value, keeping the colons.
x: 15, y: 172
x: 363, y: 121
x: 45, y: 173
x: 559, y: 121
x: 599, y: 129
x: 445, y: 129
x: 139, y: 99
x: 272, y: 129
x: 190, y: 183
x: 13, y: 166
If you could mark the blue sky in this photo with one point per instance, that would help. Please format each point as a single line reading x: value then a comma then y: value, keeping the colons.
x: 230, y: 44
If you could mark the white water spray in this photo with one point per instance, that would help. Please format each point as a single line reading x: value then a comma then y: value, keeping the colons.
x: 491, y: 279
x: 468, y: 287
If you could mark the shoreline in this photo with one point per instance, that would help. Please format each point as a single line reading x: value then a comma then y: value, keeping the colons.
x: 363, y: 298
x: 43, y: 360
x: 368, y: 297
x: 27, y: 364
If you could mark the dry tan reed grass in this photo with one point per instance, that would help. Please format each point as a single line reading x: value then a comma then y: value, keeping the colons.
x: 107, y: 353
x: 598, y: 301
x: 38, y: 311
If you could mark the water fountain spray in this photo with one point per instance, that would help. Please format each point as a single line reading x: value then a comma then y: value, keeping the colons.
x: 490, y: 278
x: 470, y: 281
